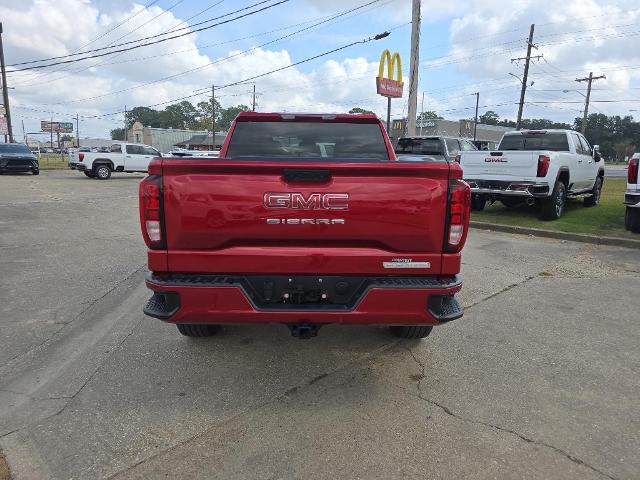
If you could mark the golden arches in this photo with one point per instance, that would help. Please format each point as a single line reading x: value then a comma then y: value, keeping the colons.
x: 390, y: 60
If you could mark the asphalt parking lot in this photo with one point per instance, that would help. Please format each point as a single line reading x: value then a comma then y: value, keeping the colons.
x: 539, y: 379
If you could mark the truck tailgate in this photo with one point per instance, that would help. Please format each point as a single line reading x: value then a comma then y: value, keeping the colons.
x: 519, y: 164
x: 230, y: 216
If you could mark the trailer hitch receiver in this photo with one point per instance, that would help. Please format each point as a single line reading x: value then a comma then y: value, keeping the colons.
x: 304, y: 331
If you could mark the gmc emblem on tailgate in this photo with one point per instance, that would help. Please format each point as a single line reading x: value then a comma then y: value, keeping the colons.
x: 313, y: 201
x: 494, y: 160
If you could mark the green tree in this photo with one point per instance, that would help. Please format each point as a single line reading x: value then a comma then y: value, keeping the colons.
x: 228, y: 114
x: 148, y: 117
x: 489, y: 118
x: 117, y: 134
x: 204, y: 114
x: 181, y: 115
x: 359, y: 110
x: 429, y: 115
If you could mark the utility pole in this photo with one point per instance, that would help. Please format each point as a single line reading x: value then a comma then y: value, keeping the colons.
x: 475, y: 122
x: 213, y: 114
x: 126, y: 135
x: 24, y: 134
x: 389, y: 116
x: 51, y: 129
x: 527, y: 59
x: 413, y: 68
x: 253, y: 107
x: 421, y: 113
x: 77, y: 131
x: 588, y: 79
x: 5, y: 89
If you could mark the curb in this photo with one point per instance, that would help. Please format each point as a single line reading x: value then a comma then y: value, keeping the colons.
x: 574, y: 237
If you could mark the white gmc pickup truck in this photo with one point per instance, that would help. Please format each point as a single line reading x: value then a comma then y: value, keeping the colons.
x: 123, y: 157
x: 539, y: 167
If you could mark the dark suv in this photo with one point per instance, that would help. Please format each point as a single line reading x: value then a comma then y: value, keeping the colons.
x: 16, y: 157
x: 438, y: 147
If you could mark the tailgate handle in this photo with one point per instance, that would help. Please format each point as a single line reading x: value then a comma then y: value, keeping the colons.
x: 496, y: 154
x: 306, y: 175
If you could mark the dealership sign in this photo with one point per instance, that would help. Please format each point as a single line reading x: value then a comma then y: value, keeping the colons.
x: 57, y: 127
x: 389, y: 86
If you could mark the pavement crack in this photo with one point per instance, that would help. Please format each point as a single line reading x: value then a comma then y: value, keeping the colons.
x: 76, y: 317
x: 522, y: 437
x: 254, y: 408
x: 500, y: 292
x: 94, y: 373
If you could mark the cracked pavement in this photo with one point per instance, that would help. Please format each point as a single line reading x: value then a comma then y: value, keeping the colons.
x: 537, y: 380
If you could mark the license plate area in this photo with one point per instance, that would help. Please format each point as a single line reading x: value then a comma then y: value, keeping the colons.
x: 305, y: 292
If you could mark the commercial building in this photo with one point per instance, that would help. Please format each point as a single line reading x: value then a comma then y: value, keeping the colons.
x: 162, y: 139
x: 203, y: 142
x: 450, y: 128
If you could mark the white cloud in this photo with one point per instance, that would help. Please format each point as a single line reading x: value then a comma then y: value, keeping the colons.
x: 576, y: 37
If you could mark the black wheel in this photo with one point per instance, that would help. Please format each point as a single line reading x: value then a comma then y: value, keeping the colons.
x: 89, y: 174
x: 594, y: 198
x: 197, y: 329
x: 478, y: 202
x: 552, y: 207
x: 36, y: 172
x: 632, y: 219
x: 102, y: 172
x: 511, y: 202
x: 412, y: 331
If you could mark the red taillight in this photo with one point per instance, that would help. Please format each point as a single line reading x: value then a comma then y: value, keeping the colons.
x: 81, y: 156
x: 543, y: 165
x: 632, y: 170
x: 151, y: 215
x: 458, y: 221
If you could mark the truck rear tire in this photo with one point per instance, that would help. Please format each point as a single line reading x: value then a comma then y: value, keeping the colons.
x: 478, y: 202
x: 551, y: 208
x: 411, y: 331
x: 632, y: 219
x: 197, y: 329
x: 594, y: 199
x: 102, y: 172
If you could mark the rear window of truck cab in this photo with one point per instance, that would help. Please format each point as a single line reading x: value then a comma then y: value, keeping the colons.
x: 555, y: 141
x: 421, y: 146
x: 308, y: 141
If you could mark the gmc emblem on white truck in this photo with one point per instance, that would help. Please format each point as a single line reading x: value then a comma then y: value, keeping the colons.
x: 313, y: 201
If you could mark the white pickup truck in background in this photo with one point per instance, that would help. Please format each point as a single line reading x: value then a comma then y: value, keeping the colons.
x: 539, y: 167
x: 632, y: 195
x: 123, y: 157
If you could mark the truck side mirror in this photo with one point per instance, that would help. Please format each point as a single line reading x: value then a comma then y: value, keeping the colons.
x: 596, y: 153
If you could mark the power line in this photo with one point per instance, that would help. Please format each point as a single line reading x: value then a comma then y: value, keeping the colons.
x: 133, y: 47
x: 136, y: 59
x: 340, y: 14
x: 66, y: 67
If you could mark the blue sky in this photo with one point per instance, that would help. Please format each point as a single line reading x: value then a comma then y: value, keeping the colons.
x: 466, y: 46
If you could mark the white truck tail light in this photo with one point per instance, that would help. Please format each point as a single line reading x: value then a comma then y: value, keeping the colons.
x: 151, y: 214
x: 543, y: 165
x: 81, y: 156
x: 458, y: 215
x: 632, y: 171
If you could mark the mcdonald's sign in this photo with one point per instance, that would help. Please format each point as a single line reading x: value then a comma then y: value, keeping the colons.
x: 389, y: 86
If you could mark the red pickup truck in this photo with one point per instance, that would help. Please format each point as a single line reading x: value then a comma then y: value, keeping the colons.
x: 304, y: 220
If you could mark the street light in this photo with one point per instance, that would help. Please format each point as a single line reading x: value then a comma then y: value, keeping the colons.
x: 577, y: 91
